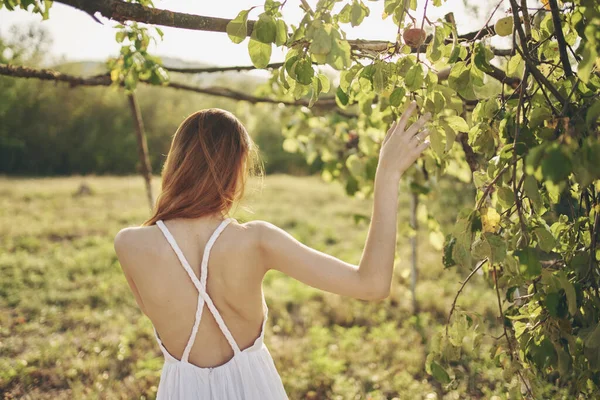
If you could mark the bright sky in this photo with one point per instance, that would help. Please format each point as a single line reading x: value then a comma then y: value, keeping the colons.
x: 76, y: 36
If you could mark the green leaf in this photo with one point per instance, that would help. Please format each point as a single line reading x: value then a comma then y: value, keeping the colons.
x: 515, y: 66
x: 316, y: 90
x: 506, y: 197
x: 553, y: 303
x: 265, y: 29
x: 460, y: 80
x: 593, y: 113
x: 436, y: 138
x: 545, y: 238
x: 456, y: 123
x: 358, y: 13
x: 237, y: 28
x: 455, y: 51
x: 342, y: 96
x: 282, y: 33
x: 272, y: 7
x: 461, y: 254
x: 589, y: 57
x: 339, y: 56
x: 397, y: 96
x: 529, y: 264
x: 439, y: 373
x: 304, y: 72
x: 532, y: 191
x: 347, y: 76
x: 379, y: 78
x: 569, y: 292
x: 290, y: 66
x: 344, y: 15
x: 482, y: 58
x: 538, y: 115
x: 449, y: 242
x: 355, y: 165
x: 321, y: 40
x: 556, y: 164
x: 324, y: 83
x: 434, y: 49
x: 260, y: 53
x: 414, y: 77
x: 497, y: 247
x: 480, y: 249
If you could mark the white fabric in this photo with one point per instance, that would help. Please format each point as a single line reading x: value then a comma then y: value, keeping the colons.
x: 249, y: 375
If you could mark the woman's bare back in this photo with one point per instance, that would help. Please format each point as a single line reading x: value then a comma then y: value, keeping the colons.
x: 166, y: 294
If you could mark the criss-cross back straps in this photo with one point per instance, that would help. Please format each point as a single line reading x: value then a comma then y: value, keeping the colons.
x: 200, y: 285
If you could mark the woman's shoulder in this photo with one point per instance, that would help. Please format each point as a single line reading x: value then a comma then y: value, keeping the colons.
x: 135, y: 241
x: 265, y: 236
x: 260, y: 231
x: 133, y: 236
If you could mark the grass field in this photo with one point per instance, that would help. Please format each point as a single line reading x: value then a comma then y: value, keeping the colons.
x: 70, y: 328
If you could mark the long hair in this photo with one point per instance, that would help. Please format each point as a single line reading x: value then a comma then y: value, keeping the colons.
x: 207, y: 167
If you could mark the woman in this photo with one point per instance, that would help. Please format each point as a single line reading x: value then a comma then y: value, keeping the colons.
x: 211, y: 330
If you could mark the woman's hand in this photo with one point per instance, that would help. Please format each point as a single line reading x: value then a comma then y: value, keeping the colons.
x: 402, y: 145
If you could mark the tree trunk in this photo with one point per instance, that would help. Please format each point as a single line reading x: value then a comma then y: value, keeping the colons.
x: 414, y: 202
x: 140, y: 133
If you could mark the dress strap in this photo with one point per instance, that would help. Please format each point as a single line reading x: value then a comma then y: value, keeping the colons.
x: 203, y: 297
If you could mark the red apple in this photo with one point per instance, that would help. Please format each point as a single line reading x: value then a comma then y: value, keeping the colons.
x: 414, y: 37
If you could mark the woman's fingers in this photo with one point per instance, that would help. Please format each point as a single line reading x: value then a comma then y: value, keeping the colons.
x: 390, y: 132
x: 423, y: 146
x: 416, y: 127
x: 405, y: 116
x: 420, y: 136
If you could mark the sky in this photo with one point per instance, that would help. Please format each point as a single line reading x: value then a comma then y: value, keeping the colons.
x: 77, y: 37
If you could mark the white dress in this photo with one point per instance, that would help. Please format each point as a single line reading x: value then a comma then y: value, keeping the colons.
x: 249, y: 375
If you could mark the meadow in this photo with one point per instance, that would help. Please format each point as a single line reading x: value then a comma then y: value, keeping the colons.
x: 70, y: 328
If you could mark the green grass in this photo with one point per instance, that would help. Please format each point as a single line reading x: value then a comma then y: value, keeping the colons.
x: 70, y: 328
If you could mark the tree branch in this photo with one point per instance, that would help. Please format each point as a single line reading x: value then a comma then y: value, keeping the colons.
x: 219, y: 69
x: 50, y: 75
x: 539, y: 77
x: 462, y: 286
x: 122, y: 11
x: 513, y: 355
x: 487, y: 27
x: 470, y: 155
x: 560, y: 37
x: 104, y: 80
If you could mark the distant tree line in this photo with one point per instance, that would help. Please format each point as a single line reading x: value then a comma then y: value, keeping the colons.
x: 50, y: 129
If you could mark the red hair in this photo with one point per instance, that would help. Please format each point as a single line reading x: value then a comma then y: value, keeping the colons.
x: 206, y: 169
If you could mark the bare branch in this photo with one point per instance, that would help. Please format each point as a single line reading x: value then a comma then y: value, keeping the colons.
x: 470, y: 155
x: 122, y: 11
x: 104, y: 80
x: 524, y: 53
x: 462, y: 286
x: 486, y: 27
x: 560, y: 37
x: 144, y: 158
x: 50, y: 75
x: 219, y: 69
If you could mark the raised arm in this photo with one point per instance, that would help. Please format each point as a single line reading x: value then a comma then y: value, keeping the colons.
x: 371, y: 279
